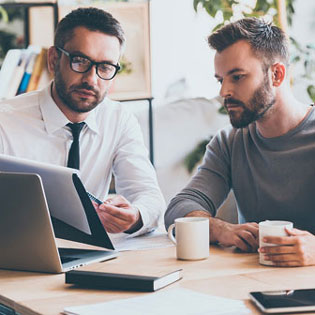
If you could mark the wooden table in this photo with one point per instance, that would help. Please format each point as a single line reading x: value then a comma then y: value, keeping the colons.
x: 225, y: 273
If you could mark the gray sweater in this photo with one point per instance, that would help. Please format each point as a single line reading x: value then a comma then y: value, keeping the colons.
x: 272, y: 178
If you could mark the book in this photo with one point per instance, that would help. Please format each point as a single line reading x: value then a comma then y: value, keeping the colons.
x: 39, y: 65
x: 16, y: 78
x: 10, y: 62
x: 118, y: 281
x: 27, y: 74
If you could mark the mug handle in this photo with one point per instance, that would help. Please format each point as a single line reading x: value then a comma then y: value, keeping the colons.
x: 170, y: 233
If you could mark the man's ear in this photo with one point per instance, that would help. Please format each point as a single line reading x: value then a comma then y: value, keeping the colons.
x: 278, y: 73
x: 52, y: 59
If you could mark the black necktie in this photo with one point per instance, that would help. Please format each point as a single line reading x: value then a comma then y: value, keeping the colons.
x: 74, y: 153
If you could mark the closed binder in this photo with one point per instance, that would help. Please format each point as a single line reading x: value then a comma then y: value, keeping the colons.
x: 118, y: 281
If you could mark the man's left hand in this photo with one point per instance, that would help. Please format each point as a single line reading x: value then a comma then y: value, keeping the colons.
x: 118, y: 215
x: 296, y: 249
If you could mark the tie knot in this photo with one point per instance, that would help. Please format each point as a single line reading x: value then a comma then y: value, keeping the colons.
x: 76, y: 128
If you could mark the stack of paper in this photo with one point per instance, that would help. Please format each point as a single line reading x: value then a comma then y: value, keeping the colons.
x: 155, y: 239
x: 175, y: 301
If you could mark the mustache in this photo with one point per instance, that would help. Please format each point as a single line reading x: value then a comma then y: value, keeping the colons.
x: 233, y: 101
x: 84, y: 86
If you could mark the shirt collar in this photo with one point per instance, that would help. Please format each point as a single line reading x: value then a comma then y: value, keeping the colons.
x: 53, y: 117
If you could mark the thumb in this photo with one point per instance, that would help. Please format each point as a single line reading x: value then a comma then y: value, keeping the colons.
x: 294, y: 232
x: 117, y: 200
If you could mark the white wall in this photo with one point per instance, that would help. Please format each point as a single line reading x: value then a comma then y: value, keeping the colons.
x: 180, y: 52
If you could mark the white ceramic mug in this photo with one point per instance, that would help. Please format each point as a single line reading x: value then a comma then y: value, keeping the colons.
x: 271, y: 228
x: 192, y: 237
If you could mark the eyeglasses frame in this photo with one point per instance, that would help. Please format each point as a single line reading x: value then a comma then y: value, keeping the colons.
x: 93, y: 63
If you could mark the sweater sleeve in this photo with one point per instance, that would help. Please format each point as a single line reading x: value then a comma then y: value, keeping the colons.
x: 210, y: 186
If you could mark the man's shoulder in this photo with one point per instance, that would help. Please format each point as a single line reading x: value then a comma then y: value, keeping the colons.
x: 114, y: 109
x: 228, y: 133
x: 20, y: 103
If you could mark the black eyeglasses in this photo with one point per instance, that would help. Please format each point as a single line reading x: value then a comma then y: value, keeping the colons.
x: 105, y: 70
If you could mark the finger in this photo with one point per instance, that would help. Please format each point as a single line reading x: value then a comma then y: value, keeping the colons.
x: 252, y: 224
x: 251, y: 246
x: 283, y: 260
x: 296, y: 232
x: 117, y: 200
x: 242, y: 244
x: 119, y: 213
x: 281, y: 257
x: 273, y: 250
x: 112, y: 228
x: 95, y: 204
x: 112, y: 224
x: 280, y: 240
x: 249, y: 238
x: 287, y: 264
x: 252, y: 228
x: 117, y: 221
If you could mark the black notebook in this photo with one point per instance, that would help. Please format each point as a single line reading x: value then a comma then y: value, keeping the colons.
x: 117, y: 281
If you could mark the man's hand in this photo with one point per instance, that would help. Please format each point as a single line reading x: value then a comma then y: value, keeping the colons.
x: 118, y: 215
x: 243, y: 236
x: 296, y: 249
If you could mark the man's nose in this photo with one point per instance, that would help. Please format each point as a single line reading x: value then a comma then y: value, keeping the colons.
x: 91, y: 76
x: 226, y: 89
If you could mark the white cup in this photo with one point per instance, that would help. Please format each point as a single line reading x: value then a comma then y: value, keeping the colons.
x: 271, y: 228
x: 192, y: 237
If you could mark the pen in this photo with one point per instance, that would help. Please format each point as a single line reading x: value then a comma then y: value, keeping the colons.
x: 92, y: 197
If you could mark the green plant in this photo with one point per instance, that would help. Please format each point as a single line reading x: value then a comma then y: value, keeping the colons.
x: 305, y: 54
x: 3, y: 15
x: 196, y: 155
x: 125, y: 66
x: 261, y: 8
x: 8, y: 38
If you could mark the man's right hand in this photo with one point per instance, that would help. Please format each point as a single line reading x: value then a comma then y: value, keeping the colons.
x: 243, y: 236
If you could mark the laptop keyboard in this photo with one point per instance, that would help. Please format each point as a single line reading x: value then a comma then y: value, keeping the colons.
x: 66, y: 256
x: 65, y: 259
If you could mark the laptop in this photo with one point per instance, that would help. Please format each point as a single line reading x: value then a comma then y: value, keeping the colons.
x: 27, y: 238
x: 72, y: 212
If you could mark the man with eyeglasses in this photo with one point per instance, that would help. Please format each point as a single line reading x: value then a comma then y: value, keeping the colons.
x: 72, y: 123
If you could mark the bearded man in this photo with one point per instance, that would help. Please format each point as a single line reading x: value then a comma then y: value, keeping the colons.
x: 266, y: 156
x: 74, y: 110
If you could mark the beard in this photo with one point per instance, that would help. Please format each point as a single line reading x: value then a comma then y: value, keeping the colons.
x: 81, y: 105
x: 258, y: 105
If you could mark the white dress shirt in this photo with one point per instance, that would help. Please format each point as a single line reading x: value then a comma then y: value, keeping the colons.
x: 111, y: 142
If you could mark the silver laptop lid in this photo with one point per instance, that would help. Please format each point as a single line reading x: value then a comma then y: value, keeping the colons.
x: 58, y: 184
x: 27, y: 240
x: 73, y: 215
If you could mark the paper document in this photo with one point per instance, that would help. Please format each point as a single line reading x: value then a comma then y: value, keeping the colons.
x: 155, y: 239
x: 174, y: 301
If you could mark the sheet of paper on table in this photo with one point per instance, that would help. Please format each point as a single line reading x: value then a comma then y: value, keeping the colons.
x: 155, y: 239
x: 174, y: 301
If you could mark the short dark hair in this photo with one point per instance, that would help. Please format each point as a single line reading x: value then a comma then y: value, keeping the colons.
x: 91, y: 18
x: 267, y: 41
